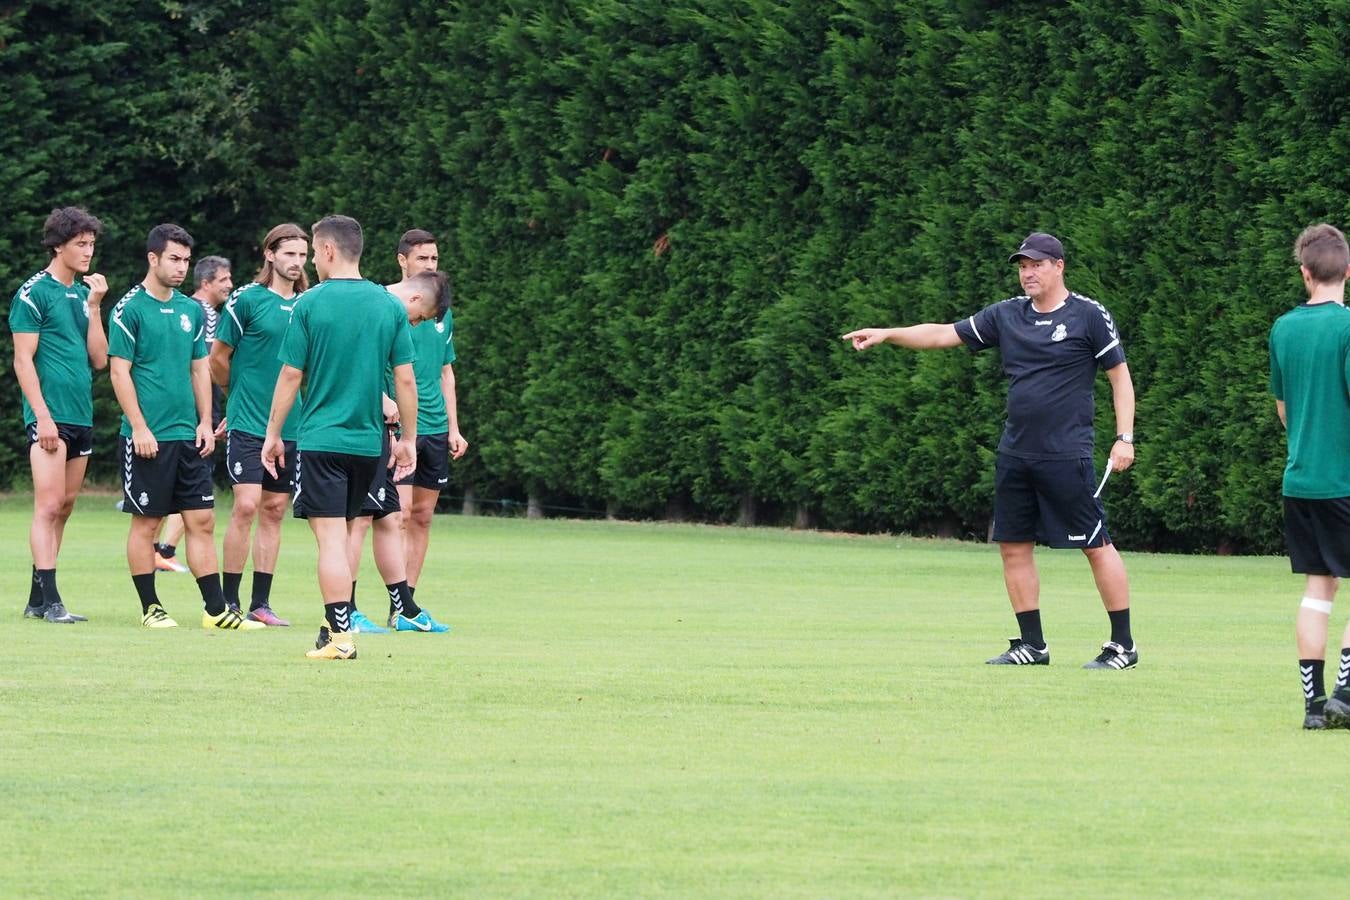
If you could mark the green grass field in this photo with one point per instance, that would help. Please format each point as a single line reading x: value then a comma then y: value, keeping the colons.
x: 660, y: 710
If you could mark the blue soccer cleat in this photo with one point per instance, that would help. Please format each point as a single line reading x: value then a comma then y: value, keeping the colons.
x: 420, y: 622
x: 362, y: 624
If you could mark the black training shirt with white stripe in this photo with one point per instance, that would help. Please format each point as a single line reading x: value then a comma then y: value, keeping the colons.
x: 1051, y: 360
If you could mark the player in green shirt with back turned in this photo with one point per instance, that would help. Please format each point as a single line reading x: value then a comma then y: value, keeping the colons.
x: 1310, y: 377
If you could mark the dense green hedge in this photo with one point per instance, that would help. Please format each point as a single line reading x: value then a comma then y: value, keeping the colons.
x: 659, y: 217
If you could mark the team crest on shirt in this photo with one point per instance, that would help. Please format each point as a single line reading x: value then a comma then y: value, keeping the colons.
x: 1060, y: 333
x: 84, y: 305
x: 185, y: 322
x: 440, y: 326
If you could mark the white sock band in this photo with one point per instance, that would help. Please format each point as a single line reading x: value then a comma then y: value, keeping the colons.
x: 1322, y: 606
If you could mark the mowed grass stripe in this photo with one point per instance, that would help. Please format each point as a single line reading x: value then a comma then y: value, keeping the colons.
x: 663, y: 710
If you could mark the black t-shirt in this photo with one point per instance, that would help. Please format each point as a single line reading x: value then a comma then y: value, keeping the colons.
x: 1051, y: 360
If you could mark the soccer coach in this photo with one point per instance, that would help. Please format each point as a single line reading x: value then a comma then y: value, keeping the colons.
x: 1052, y: 343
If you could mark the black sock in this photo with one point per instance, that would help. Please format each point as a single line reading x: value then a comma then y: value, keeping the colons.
x: 339, y: 616
x: 352, y: 601
x: 213, y: 598
x: 262, y: 590
x: 412, y: 591
x: 1030, y: 623
x: 35, y: 591
x: 1314, y: 688
x: 50, y: 595
x: 230, y: 582
x: 401, y: 601
x: 145, y: 589
x: 1343, y: 676
x: 1120, y: 627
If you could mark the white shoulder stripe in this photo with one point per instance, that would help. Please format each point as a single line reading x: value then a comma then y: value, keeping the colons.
x: 978, y: 336
x: 1108, y: 348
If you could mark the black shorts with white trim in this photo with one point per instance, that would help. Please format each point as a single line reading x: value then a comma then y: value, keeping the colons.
x: 433, y: 462
x: 331, y: 485
x: 175, y: 479
x: 1048, y: 500
x: 243, y: 463
x: 79, y: 439
x: 1317, y: 533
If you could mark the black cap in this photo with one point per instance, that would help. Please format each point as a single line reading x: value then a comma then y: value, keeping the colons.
x: 1039, y: 245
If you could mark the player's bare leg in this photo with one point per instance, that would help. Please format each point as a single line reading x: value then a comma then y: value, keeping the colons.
x: 56, y: 484
x: 335, y: 577
x: 418, y: 511
x: 356, y: 537
x: 1108, y: 570
x: 1024, y: 593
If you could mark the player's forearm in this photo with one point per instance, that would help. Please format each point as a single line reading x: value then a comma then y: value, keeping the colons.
x: 26, y: 373
x: 1122, y: 398
x: 283, y: 398
x: 201, y: 390
x: 448, y: 390
x: 124, y: 389
x: 928, y: 336
x: 96, y: 341
x: 405, y: 391
x: 220, y: 364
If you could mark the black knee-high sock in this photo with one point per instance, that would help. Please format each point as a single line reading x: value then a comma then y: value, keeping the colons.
x: 145, y: 589
x: 338, y: 616
x: 352, y: 601
x: 230, y: 584
x: 1314, y: 688
x: 1343, y: 676
x: 262, y: 590
x: 1120, y: 627
x: 35, y: 591
x: 1030, y: 624
x: 401, y: 601
x: 213, y: 598
x: 47, y: 578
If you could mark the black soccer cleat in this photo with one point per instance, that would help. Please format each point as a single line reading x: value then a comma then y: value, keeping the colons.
x: 34, y: 612
x: 56, y: 612
x: 1020, y: 653
x: 1337, y: 712
x: 1314, y: 722
x: 1114, y: 656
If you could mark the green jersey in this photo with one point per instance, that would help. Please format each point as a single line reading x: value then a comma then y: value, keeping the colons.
x: 434, y: 348
x: 59, y: 316
x: 1310, y: 372
x: 161, y: 339
x: 253, y: 323
x: 344, y: 333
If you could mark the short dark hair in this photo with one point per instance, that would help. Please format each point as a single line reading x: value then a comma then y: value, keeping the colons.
x: 1322, y: 250
x: 414, y: 237
x: 162, y: 235
x: 208, y: 267
x: 437, y: 284
x: 345, y: 233
x: 66, y: 223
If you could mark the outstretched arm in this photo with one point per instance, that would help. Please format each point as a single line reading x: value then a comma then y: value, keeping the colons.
x: 929, y: 336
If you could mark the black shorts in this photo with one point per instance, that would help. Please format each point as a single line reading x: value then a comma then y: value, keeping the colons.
x: 382, y: 496
x: 79, y: 438
x: 243, y: 463
x: 177, y: 478
x: 1048, y: 501
x: 1317, y: 533
x: 433, y: 462
x: 331, y: 485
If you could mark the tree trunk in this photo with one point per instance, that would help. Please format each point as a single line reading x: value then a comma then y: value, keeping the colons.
x: 470, y: 507
x: 745, y: 515
x: 534, y: 507
x: 803, y: 520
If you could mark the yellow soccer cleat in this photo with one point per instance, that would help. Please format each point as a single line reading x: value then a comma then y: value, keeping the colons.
x: 230, y: 620
x: 156, y: 617
x: 341, y: 645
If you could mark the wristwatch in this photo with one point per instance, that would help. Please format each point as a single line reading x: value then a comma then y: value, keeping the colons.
x: 1126, y: 438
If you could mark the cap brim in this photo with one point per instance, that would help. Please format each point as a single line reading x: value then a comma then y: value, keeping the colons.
x: 1031, y: 254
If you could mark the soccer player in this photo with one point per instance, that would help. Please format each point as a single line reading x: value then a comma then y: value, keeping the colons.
x: 426, y: 298
x: 214, y: 283
x: 58, y: 339
x: 245, y: 358
x: 438, y: 437
x: 344, y: 333
x: 160, y: 377
x: 1310, y: 378
x: 1052, y: 343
